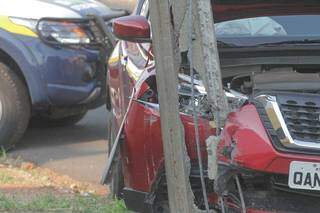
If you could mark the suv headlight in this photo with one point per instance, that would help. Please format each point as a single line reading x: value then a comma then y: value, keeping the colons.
x: 64, y: 32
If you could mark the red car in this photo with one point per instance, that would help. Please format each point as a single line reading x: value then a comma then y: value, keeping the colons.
x: 270, y: 59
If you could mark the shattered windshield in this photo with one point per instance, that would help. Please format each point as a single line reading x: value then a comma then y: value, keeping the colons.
x: 261, y: 30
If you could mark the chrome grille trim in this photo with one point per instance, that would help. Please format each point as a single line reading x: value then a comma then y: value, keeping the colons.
x: 279, y: 124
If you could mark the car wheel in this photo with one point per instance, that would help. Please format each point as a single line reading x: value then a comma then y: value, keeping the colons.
x: 161, y: 200
x: 44, y: 121
x: 15, y: 107
x: 161, y: 206
x: 232, y: 199
x: 117, y: 181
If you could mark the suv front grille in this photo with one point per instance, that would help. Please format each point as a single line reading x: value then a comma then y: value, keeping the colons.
x: 301, y: 113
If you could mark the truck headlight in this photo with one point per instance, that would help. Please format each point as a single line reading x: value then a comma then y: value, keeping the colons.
x: 64, y: 32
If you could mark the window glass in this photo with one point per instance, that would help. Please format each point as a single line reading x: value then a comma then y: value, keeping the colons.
x: 268, y: 30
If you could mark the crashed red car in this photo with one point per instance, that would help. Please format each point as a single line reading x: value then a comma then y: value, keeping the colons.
x: 269, y: 52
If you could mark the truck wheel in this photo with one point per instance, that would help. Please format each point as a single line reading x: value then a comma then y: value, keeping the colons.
x: 43, y: 121
x: 15, y: 108
x: 117, y: 182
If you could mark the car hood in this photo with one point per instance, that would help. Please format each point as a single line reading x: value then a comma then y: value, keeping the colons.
x: 225, y: 10
x: 36, y: 9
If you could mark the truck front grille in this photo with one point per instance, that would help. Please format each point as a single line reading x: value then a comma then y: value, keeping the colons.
x: 301, y: 113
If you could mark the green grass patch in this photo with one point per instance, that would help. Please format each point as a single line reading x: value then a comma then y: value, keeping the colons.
x: 6, y: 179
x: 51, y: 203
x: 3, y: 154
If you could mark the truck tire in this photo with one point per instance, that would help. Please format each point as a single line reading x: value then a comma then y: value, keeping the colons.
x: 117, y: 181
x: 43, y: 121
x: 15, y: 107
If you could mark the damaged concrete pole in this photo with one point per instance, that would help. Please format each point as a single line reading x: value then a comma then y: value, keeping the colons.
x: 208, y: 51
x: 170, y: 38
x: 167, y: 56
x: 206, y: 48
x: 207, y: 63
x: 205, y: 53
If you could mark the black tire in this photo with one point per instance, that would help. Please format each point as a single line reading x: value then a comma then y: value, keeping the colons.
x: 161, y: 200
x: 233, y: 197
x: 117, y: 181
x: 15, y: 107
x: 161, y: 206
x: 44, y: 121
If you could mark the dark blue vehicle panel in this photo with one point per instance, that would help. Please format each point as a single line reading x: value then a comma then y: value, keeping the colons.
x: 55, y: 76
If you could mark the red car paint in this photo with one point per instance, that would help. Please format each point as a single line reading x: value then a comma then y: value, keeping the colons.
x: 142, y: 153
x: 253, y: 149
x: 143, y: 148
x: 130, y: 26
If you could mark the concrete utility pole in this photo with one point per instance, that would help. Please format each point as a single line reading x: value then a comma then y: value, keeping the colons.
x: 167, y: 56
x: 170, y: 37
x: 207, y: 63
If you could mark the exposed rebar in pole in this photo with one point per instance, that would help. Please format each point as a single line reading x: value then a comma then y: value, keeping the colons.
x: 194, y: 107
x: 209, y: 68
x: 206, y: 61
x: 170, y: 37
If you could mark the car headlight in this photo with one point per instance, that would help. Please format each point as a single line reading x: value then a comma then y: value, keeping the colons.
x: 236, y: 99
x: 29, y: 23
x: 64, y: 32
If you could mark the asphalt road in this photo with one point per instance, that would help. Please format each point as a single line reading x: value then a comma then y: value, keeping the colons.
x: 78, y: 151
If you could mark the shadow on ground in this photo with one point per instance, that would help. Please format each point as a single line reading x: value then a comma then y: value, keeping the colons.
x: 78, y: 151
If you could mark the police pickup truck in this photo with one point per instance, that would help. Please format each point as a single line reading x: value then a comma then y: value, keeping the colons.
x: 52, y: 62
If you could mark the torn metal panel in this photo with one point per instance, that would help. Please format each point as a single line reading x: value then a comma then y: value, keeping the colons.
x: 107, y: 174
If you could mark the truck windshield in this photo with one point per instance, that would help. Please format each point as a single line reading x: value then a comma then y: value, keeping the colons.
x: 270, y: 30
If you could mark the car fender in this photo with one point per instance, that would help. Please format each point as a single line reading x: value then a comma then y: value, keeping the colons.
x: 27, y: 63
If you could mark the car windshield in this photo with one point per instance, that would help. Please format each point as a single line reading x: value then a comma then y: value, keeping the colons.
x: 269, y: 30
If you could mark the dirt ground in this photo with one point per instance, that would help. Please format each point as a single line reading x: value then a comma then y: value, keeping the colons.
x: 25, y: 187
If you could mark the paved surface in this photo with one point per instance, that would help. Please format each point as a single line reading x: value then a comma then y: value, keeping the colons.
x: 78, y: 151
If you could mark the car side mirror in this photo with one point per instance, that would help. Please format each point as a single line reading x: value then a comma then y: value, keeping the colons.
x: 132, y: 28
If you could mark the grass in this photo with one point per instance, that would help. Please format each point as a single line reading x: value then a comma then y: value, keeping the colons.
x: 51, y: 203
x: 6, y: 179
x: 49, y: 200
x: 3, y: 154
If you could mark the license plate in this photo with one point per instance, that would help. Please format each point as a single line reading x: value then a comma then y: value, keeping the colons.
x: 304, y: 175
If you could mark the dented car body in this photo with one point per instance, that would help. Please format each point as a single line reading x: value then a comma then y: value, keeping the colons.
x: 269, y: 54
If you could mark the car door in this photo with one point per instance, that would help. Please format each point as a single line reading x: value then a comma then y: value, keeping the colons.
x: 116, y: 85
x: 135, y: 58
x: 126, y: 64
